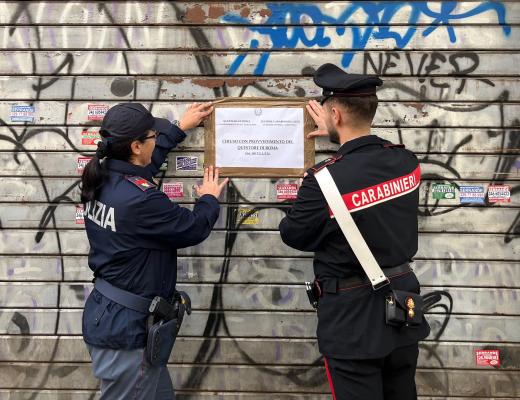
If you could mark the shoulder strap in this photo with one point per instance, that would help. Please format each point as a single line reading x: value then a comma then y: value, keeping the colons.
x: 349, y: 228
x: 390, y: 145
x: 325, y: 163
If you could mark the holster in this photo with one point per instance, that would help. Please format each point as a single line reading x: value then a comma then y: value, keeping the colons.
x: 162, y: 334
x: 159, y: 345
x: 404, y: 308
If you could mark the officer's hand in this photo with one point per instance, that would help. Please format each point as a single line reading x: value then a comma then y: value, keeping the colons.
x: 318, y: 114
x: 210, y: 183
x: 194, y: 115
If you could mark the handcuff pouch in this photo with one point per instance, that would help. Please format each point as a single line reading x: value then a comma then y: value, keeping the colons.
x: 404, y: 308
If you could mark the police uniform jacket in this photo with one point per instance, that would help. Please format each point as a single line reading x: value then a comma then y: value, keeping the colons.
x: 379, y: 183
x: 134, y: 232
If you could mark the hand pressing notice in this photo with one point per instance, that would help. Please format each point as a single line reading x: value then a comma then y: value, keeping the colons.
x: 318, y: 114
x: 210, y: 184
x: 194, y: 115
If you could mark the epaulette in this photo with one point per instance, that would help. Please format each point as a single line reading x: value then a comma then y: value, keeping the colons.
x: 141, y: 183
x: 326, y: 163
x: 402, y: 146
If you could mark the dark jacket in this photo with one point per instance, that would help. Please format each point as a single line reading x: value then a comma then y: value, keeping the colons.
x: 134, y: 232
x: 379, y: 183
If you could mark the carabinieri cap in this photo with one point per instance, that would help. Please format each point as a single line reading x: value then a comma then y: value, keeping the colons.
x: 337, y: 83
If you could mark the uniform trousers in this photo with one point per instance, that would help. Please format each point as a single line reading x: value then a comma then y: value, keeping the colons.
x: 126, y: 375
x: 388, y: 378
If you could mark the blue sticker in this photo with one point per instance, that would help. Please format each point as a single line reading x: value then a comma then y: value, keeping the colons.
x: 183, y: 163
x: 22, y: 113
x: 472, y: 194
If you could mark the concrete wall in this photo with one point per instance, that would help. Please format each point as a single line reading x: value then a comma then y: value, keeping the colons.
x: 451, y: 95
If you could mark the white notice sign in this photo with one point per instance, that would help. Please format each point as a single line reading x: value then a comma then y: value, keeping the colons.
x: 259, y: 137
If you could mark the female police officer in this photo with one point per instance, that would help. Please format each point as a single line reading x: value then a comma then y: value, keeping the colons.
x: 134, y: 233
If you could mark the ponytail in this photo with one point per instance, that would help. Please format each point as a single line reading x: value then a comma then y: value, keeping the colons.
x: 95, y: 171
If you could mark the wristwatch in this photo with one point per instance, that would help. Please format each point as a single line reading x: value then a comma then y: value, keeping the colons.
x: 176, y: 122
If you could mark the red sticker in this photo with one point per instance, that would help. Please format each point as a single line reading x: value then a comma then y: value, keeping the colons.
x: 173, y: 190
x: 80, y: 219
x: 488, y: 358
x: 82, y: 162
x: 96, y: 112
x: 499, y: 194
x: 90, y: 137
x: 286, y: 191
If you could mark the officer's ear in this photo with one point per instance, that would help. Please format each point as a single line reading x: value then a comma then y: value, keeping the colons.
x: 337, y: 116
x: 137, y: 147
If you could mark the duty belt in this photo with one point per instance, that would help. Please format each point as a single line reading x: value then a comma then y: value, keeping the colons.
x: 164, y: 318
x: 334, y: 285
x: 120, y: 296
x: 157, y: 306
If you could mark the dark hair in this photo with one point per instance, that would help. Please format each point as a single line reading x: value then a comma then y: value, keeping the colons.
x: 361, y: 109
x: 95, y: 171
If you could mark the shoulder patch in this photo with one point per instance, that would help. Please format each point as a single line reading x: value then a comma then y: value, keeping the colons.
x: 141, y: 183
x: 326, y: 163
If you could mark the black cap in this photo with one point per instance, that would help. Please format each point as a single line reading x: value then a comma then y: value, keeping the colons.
x: 131, y: 120
x: 337, y: 83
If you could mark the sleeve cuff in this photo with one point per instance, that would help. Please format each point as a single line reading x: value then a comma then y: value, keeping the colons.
x: 209, y: 198
x: 176, y: 134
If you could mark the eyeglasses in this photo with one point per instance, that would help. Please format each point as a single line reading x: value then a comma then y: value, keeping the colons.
x: 153, y: 136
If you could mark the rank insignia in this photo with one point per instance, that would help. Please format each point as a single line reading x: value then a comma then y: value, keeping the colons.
x: 141, y: 183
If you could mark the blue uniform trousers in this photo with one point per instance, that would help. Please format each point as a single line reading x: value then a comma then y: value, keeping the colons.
x: 125, y: 374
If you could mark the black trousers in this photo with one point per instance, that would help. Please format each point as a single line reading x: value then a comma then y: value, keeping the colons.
x: 388, y: 378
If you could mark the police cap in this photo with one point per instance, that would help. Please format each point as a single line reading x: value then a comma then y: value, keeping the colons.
x: 337, y: 83
x: 131, y: 120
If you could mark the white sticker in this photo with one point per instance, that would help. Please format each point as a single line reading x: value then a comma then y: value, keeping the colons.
x: 173, y: 190
x: 96, y: 112
x: 80, y: 218
x: 22, y: 113
x: 286, y: 191
x: 81, y: 164
x: 499, y: 194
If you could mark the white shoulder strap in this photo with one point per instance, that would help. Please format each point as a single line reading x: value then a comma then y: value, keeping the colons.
x: 350, y: 230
